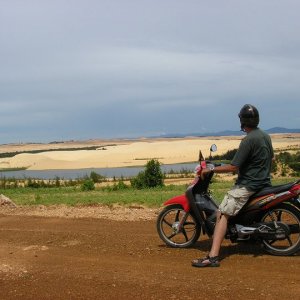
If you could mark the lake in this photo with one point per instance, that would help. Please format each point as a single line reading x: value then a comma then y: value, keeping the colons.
x: 81, y: 173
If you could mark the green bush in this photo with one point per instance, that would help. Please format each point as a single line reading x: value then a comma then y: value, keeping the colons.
x: 228, y: 156
x: 287, y: 159
x: 295, y: 166
x: 138, y: 182
x: 151, y: 177
x: 88, y: 185
x: 33, y: 184
x: 118, y: 186
x: 97, y: 177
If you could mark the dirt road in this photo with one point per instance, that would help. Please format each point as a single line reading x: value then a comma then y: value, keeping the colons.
x: 94, y: 258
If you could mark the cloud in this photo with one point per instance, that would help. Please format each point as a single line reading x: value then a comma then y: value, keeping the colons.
x: 87, y: 69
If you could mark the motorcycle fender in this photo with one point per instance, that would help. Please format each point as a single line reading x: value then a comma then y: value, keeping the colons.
x: 181, y: 200
x: 295, y: 202
x: 295, y: 190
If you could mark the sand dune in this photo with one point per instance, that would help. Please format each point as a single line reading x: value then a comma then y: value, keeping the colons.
x: 132, y: 153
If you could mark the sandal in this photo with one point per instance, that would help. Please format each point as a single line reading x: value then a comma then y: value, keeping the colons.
x: 206, y: 262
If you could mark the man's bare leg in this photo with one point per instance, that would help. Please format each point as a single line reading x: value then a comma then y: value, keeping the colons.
x: 219, y: 234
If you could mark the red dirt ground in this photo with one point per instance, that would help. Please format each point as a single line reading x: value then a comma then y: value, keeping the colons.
x: 54, y: 257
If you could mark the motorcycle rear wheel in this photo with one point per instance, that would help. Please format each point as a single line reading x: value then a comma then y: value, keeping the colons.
x: 290, y: 216
x: 167, y: 227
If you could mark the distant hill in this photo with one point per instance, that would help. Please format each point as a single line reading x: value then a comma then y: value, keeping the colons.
x: 282, y: 130
x: 227, y: 133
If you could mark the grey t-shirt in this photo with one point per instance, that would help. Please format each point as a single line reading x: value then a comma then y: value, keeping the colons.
x: 254, y: 160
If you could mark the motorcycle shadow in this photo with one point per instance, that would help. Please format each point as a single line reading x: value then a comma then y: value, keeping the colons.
x: 255, y: 249
x: 228, y: 249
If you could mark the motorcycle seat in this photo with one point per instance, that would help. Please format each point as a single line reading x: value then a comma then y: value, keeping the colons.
x: 273, y: 189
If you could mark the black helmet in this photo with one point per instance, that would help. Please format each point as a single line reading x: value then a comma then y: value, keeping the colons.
x: 249, y: 116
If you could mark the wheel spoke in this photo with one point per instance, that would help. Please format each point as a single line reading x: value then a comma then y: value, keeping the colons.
x: 294, y: 228
x: 191, y: 226
x: 171, y: 236
x: 168, y: 223
x: 288, y: 219
x: 184, y: 234
x: 289, y: 240
x: 279, y: 214
x: 177, y: 228
x: 189, y: 223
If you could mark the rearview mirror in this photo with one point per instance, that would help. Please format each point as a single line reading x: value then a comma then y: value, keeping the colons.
x: 213, y: 148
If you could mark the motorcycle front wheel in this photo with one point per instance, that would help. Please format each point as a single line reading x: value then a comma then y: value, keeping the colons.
x: 290, y: 217
x: 169, y: 230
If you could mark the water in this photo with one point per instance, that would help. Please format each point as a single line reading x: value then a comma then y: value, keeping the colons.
x: 81, y: 173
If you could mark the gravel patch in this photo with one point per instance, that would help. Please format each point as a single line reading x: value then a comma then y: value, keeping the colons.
x: 115, y: 212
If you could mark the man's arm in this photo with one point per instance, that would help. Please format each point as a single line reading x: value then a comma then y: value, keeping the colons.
x: 221, y: 169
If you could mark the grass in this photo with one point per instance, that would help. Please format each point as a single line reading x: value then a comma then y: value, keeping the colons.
x: 74, y: 196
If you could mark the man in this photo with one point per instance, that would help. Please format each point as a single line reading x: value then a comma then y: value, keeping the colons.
x: 252, y: 162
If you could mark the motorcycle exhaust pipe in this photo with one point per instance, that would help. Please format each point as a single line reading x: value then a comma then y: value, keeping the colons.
x: 244, y: 231
x: 262, y: 230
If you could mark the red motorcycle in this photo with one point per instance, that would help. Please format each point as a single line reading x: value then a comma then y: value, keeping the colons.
x: 271, y: 216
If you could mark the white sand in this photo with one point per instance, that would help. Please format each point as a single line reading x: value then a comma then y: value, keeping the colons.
x: 135, y: 153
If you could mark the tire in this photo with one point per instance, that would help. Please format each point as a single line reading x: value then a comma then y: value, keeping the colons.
x: 167, y: 227
x: 290, y: 216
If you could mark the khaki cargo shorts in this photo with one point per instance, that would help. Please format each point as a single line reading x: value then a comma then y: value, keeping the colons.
x: 234, y: 200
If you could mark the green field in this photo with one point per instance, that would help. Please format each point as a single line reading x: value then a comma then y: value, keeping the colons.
x: 104, y: 196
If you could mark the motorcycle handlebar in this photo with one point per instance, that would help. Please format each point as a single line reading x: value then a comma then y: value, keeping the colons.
x: 205, y: 164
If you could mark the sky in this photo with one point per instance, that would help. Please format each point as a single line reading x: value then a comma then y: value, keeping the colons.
x: 89, y: 69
